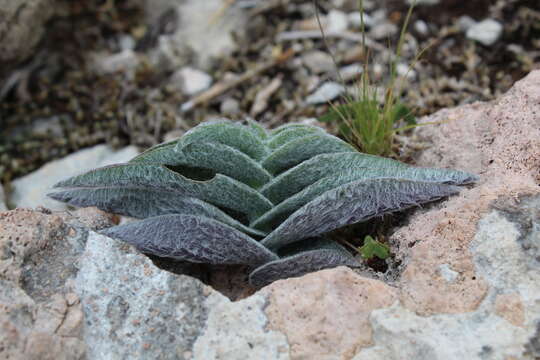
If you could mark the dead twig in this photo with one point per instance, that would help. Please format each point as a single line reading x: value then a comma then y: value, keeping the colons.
x: 223, y: 87
x: 264, y: 95
x: 316, y: 34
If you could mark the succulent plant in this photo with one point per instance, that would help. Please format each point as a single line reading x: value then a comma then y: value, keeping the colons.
x: 226, y: 193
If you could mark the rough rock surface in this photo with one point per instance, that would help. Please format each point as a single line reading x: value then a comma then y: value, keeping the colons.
x: 31, y: 190
x: 325, y: 315
x: 67, y: 292
x: 484, y: 139
x: 486, y: 238
x: 21, y: 27
x: 40, y: 314
x: 469, y: 288
x: 503, y: 325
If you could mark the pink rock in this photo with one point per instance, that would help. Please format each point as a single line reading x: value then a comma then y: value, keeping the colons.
x: 325, y: 314
x: 510, y: 307
x: 500, y: 141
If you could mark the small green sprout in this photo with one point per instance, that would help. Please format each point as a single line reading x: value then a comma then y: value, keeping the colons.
x: 373, y: 248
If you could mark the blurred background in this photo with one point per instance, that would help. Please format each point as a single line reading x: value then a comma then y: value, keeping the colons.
x: 74, y: 74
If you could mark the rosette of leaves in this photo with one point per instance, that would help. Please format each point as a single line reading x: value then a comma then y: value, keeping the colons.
x: 226, y: 193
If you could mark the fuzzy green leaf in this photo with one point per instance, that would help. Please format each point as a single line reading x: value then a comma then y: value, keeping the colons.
x: 163, y: 154
x: 257, y: 129
x: 351, y: 203
x: 310, y: 171
x: 311, y: 255
x: 285, y: 208
x: 143, y: 203
x: 225, y: 160
x: 220, y: 190
x: 304, y: 148
x: 285, y: 135
x: 286, y: 127
x: 192, y: 238
x: 233, y: 135
x: 218, y: 157
x: 280, y: 212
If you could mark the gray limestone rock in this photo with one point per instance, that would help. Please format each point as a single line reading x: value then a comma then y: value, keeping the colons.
x: 505, y: 250
x: 134, y: 310
x: 71, y: 293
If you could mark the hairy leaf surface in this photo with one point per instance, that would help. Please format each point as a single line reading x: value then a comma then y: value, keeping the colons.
x: 257, y: 129
x: 313, y: 255
x: 280, y: 212
x: 236, y: 136
x: 298, y: 150
x: 225, y: 160
x: 143, y: 203
x: 288, y: 206
x: 192, y: 238
x: 289, y: 126
x: 352, y: 203
x: 292, y: 133
x: 320, y: 166
x: 221, y: 190
x: 163, y: 154
x: 218, y: 157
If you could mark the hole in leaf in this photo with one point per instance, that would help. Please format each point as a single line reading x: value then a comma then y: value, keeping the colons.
x: 237, y: 215
x: 193, y: 173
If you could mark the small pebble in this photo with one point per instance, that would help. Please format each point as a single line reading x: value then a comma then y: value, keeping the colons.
x: 229, y: 107
x: 421, y: 27
x: 318, y: 62
x: 383, y: 30
x: 486, y: 32
x: 355, y: 20
x: 378, y: 70
x: 191, y: 81
x: 403, y: 70
x: 123, y: 61
x: 465, y: 22
x: 127, y: 42
x: 351, y: 72
x: 327, y: 92
x: 337, y: 21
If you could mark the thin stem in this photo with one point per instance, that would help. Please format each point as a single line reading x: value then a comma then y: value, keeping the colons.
x: 325, y: 42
